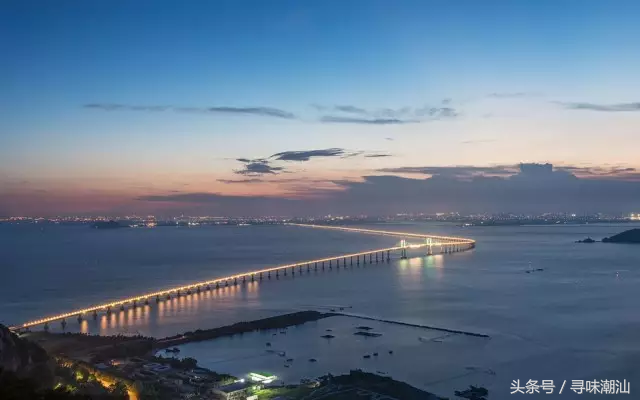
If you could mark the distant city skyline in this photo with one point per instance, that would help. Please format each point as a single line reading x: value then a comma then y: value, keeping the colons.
x: 311, y: 108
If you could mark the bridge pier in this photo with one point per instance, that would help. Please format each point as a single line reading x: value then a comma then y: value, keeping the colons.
x: 178, y: 294
x: 226, y: 283
x: 122, y: 307
x: 308, y: 267
x: 208, y: 287
x: 285, y: 272
x: 253, y: 278
x: 46, y: 327
x: 157, y: 299
x: 244, y: 279
x: 108, y: 311
x: 95, y: 314
x: 358, y: 259
x: 146, y: 301
x: 63, y: 323
x: 330, y: 261
x: 370, y: 258
x: 376, y: 258
x: 351, y: 260
x: 403, y: 254
x: 189, y: 291
x: 235, y: 281
x: 198, y: 290
x: 79, y: 318
x: 323, y: 265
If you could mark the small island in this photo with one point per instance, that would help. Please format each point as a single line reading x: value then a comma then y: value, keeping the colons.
x: 108, y: 225
x: 587, y: 240
x: 630, y: 236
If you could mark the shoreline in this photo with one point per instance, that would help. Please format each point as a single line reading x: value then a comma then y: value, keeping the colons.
x: 277, y: 322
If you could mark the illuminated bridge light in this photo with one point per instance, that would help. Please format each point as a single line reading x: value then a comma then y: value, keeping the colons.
x: 429, y: 239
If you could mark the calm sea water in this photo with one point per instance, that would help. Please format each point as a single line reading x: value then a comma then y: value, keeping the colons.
x: 577, y: 319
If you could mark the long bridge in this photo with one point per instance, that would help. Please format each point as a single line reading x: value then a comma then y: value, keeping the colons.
x: 434, y: 245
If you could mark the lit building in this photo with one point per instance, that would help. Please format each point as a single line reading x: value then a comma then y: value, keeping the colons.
x: 234, y: 391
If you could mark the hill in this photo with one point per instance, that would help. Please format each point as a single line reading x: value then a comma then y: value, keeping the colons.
x: 630, y: 236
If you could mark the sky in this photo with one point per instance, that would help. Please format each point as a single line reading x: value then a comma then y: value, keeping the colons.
x: 312, y: 107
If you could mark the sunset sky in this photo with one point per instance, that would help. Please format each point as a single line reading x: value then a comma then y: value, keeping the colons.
x: 300, y: 107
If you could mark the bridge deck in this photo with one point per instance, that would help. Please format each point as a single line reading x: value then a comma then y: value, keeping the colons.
x: 465, y: 244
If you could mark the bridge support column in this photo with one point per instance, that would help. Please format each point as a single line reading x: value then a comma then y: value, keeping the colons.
x: 79, y: 318
x: 376, y: 258
x: 146, y: 301
x: 135, y: 304
x: 252, y: 278
x: 208, y: 287
x: 157, y: 299
x: 189, y: 291
x: 388, y: 255
x: 403, y: 254
x: 108, y: 311
x: 235, y: 281
x: 323, y: 265
x: 178, y: 294
x: 198, y: 290
x: 285, y: 272
x: 293, y: 271
x: 330, y: 263
x: 358, y: 260
x: 63, y: 323
x: 226, y: 283
x: 217, y: 285
x: 351, y: 261
x: 95, y: 314
x: 315, y: 266
x: 308, y: 267
x: 168, y: 296
x: 260, y: 275
x: 122, y: 307
x: 370, y: 258
x: 46, y: 327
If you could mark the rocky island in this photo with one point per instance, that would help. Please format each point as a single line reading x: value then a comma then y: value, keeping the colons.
x: 630, y: 236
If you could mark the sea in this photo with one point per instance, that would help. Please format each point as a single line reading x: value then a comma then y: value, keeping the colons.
x: 554, y: 310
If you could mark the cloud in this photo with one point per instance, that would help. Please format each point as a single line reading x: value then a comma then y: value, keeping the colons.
x: 619, y: 107
x: 436, y: 112
x: 351, y: 109
x: 378, y: 155
x: 259, y: 111
x: 306, y: 155
x: 454, y: 171
x: 366, y: 121
x: 257, y: 168
x: 233, y: 181
x: 390, y: 139
x: 517, y: 188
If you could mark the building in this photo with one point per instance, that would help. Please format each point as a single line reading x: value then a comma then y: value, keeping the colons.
x: 234, y: 391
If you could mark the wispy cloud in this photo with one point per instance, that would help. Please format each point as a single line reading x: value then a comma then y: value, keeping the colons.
x: 378, y: 155
x: 619, y: 107
x: 367, y: 121
x: 351, y: 109
x: 259, y: 111
x: 306, y: 155
x: 233, y: 181
x: 457, y: 171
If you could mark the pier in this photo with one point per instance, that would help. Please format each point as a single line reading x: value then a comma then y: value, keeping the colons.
x: 432, y: 244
